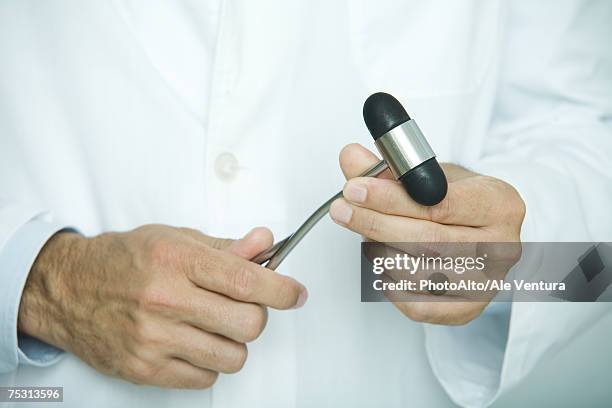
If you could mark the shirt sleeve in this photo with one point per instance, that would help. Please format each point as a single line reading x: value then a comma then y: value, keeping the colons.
x: 551, y: 138
x: 23, y: 233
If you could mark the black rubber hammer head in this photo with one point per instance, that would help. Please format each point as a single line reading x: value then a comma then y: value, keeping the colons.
x: 405, y: 149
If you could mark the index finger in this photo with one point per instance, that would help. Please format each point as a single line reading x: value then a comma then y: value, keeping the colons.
x: 243, y: 280
x: 466, y: 203
x: 355, y: 159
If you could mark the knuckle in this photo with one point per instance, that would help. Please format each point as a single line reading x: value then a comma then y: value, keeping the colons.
x: 517, y: 208
x: 201, y: 260
x: 431, y: 235
x: 188, y: 231
x: 208, y: 379
x: 289, y: 292
x: 440, y: 212
x: 162, y: 250
x: 140, y: 372
x: 220, y: 243
x: 254, y: 323
x: 146, y: 335
x: 158, y: 299
x: 512, y: 204
x: 387, y: 198
x: 238, y: 359
x: 139, y: 334
x: 371, y: 224
x: 147, y: 373
x: 148, y: 229
x: 242, y: 282
x: 516, y: 252
x: 209, y: 354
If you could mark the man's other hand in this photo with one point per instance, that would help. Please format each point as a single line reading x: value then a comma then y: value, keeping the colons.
x: 158, y: 305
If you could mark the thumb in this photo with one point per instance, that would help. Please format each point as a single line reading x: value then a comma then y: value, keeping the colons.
x: 254, y: 242
x: 355, y: 159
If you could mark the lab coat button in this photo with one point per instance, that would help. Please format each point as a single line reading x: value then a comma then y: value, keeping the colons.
x: 226, y: 166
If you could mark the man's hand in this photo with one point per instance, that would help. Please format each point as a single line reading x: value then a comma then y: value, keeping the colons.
x: 157, y: 305
x: 477, y: 208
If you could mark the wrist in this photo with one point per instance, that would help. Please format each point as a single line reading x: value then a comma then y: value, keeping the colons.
x: 42, y: 309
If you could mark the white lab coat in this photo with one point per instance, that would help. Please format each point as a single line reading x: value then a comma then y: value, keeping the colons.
x: 92, y: 135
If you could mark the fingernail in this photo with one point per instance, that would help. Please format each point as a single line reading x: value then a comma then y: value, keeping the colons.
x: 355, y: 192
x: 341, y: 211
x: 301, y: 299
